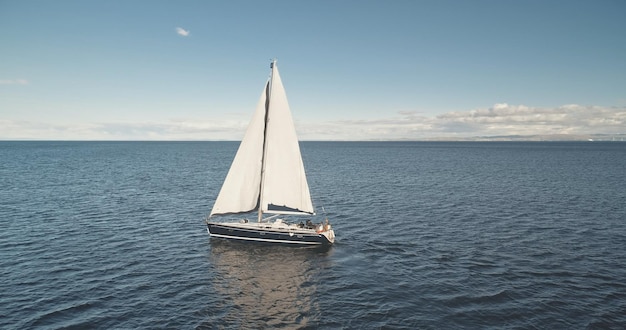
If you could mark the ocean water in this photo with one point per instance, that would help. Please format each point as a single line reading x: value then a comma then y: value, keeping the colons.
x: 430, y: 235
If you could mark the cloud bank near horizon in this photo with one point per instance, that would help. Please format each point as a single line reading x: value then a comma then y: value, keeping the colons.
x: 499, y: 120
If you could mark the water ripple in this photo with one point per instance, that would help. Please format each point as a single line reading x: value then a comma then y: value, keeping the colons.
x: 429, y: 236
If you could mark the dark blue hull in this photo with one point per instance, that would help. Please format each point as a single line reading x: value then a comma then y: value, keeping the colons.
x: 266, y: 235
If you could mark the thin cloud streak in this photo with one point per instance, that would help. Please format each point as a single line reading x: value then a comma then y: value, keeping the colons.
x: 13, y: 82
x: 498, y: 120
x: 171, y: 130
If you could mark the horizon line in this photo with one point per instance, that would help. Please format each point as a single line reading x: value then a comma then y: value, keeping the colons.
x: 495, y: 138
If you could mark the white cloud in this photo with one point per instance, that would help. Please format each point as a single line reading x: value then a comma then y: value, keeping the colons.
x: 182, y: 32
x: 189, y: 129
x: 498, y: 120
x: 13, y: 82
x: 504, y: 119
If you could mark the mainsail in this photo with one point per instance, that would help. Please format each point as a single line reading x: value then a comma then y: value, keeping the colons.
x: 267, y: 172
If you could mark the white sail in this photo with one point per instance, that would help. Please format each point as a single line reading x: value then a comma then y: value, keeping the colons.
x: 274, y: 182
x: 285, y: 188
x: 240, y: 191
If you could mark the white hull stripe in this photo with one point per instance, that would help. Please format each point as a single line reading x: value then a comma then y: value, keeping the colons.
x: 264, y: 239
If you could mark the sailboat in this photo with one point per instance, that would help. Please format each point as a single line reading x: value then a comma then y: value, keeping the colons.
x: 267, y: 177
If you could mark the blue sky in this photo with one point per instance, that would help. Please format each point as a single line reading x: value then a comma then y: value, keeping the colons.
x: 353, y: 70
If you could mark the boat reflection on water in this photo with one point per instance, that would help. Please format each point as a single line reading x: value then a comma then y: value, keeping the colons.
x: 265, y: 286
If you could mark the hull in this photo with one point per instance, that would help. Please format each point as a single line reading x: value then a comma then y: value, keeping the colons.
x: 268, y: 233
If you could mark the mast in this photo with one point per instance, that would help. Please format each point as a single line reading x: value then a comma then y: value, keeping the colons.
x: 264, y: 154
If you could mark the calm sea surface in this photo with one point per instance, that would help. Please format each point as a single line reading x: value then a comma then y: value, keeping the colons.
x: 104, y: 235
